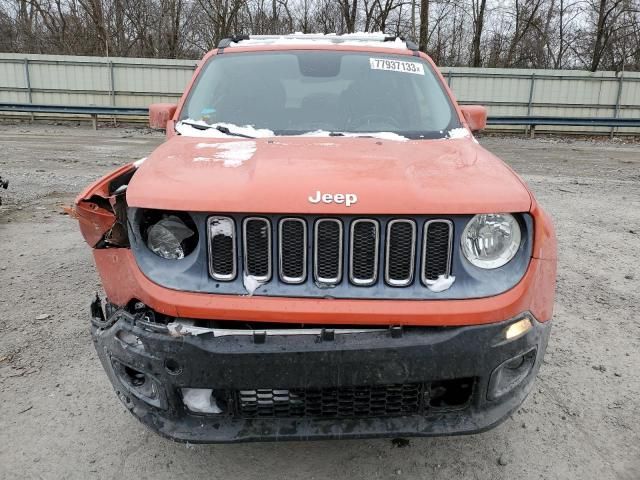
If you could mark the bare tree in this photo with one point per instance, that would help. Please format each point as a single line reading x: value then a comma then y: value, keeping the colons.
x: 478, y: 8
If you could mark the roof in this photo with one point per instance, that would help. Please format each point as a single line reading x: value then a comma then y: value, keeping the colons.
x: 360, y: 39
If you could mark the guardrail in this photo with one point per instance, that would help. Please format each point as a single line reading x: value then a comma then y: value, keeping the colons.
x: 533, y: 121
x: 91, y: 110
x: 523, y: 120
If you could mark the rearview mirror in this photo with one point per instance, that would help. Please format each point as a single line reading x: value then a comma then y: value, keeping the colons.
x: 475, y: 116
x: 160, y: 114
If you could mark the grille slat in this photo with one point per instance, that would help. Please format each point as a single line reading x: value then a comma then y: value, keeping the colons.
x: 400, y: 252
x: 222, y: 248
x: 327, y: 251
x: 436, y: 249
x: 293, y: 250
x: 364, y: 252
x: 257, y: 248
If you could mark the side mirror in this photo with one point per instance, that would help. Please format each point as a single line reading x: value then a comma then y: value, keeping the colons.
x: 160, y: 114
x: 475, y: 116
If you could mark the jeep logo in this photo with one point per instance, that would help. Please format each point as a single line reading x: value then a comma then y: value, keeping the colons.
x: 347, y: 198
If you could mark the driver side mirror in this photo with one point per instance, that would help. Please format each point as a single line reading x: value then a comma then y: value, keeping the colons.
x: 475, y: 116
x: 160, y: 114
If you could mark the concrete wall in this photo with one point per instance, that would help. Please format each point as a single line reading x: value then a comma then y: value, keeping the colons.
x: 138, y: 82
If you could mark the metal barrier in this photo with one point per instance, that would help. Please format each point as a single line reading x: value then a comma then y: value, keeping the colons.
x: 524, y: 120
x: 533, y: 121
x: 92, y: 110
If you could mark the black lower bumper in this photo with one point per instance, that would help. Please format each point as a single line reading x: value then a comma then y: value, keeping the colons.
x: 410, y: 382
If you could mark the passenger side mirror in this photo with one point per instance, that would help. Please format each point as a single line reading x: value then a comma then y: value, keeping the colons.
x: 160, y: 114
x: 475, y: 116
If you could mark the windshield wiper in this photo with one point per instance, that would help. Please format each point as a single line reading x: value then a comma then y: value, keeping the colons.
x: 220, y: 128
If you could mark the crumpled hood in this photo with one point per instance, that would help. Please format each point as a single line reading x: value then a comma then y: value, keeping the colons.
x: 279, y: 174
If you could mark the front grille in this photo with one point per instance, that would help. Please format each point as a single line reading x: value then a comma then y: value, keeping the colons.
x: 349, y: 402
x: 354, y: 401
x: 324, y: 252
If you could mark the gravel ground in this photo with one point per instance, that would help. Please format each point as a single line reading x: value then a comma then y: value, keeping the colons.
x: 61, y: 419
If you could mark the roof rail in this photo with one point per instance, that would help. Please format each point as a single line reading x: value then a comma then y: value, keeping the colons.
x: 349, y: 37
x: 410, y: 45
x: 225, y: 42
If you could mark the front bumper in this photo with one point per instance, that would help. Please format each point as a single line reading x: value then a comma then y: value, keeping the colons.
x: 133, y: 350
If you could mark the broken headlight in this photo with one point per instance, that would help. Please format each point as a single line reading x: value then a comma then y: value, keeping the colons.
x: 491, y: 240
x: 170, y: 235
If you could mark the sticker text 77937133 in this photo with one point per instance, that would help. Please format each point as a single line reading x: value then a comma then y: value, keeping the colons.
x: 396, y: 66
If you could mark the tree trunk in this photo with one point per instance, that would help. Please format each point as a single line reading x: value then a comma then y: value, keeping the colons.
x: 424, y: 25
x: 478, y: 25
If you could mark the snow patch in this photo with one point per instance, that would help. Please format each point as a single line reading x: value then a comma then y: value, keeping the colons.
x: 248, y: 130
x: 137, y: 163
x: 217, y: 227
x: 442, y: 283
x: 200, y: 400
x: 251, y: 283
x: 455, y: 133
x: 232, y: 154
x: 379, y: 135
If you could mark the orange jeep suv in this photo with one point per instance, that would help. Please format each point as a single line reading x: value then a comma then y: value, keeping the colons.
x: 320, y: 249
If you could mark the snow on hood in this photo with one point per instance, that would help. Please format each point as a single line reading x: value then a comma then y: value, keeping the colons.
x: 379, y: 135
x: 231, y: 154
x: 248, y: 130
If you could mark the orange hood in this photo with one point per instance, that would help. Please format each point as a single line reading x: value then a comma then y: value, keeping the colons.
x: 279, y: 174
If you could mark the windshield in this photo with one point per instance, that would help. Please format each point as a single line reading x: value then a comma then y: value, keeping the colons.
x: 298, y: 92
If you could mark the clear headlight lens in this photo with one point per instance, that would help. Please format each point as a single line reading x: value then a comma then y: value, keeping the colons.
x: 168, y: 238
x: 491, y: 240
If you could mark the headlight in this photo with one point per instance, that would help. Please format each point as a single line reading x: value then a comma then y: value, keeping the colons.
x: 171, y: 236
x: 491, y: 240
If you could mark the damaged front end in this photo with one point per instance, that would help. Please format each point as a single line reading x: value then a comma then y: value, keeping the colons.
x: 101, y: 210
x: 198, y: 354
x: 216, y: 381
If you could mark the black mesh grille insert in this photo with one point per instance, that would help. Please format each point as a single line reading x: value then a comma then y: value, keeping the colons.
x: 222, y: 248
x: 361, y: 401
x: 293, y: 250
x: 400, y: 252
x: 364, y: 252
x: 436, y: 256
x: 328, y: 248
x: 257, y: 238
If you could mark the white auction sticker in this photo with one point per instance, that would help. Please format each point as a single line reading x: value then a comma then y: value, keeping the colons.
x: 396, y: 66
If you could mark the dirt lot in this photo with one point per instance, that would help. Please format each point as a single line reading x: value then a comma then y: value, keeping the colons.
x: 61, y: 419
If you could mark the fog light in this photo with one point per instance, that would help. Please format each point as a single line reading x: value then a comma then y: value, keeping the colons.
x: 517, y: 329
x: 200, y: 400
x: 511, y: 373
x: 138, y: 383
